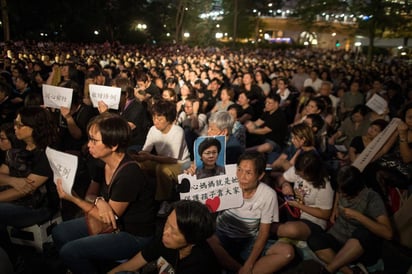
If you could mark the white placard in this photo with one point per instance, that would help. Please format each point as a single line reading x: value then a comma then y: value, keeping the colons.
x: 377, y: 104
x: 377, y: 143
x: 216, y: 192
x: 109, y: 95
x: 64, y: 166
x: 56, y: 97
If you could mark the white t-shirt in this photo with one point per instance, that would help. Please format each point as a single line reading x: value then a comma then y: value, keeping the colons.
x: 314, y: 197
x: 244, y: 221
x: 314, y: 84
x: 171, y: 144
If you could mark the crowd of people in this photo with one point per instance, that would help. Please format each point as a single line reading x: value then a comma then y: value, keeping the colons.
x: 294, y: 121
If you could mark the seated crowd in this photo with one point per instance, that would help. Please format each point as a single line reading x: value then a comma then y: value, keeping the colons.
x: 295, y: 127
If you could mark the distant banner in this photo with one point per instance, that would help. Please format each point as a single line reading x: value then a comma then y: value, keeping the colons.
x: 109, y: 95
x: 56, y: 97
x: 377, y: 143
x: 217, y: 192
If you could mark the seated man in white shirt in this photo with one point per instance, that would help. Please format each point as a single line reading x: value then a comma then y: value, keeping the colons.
x: 172, y: 155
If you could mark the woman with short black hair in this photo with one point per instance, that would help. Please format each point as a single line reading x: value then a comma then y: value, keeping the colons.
x: 182, y: 248
x: 124, y: 201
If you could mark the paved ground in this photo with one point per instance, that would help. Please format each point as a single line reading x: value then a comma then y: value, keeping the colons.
x: 397, y: 260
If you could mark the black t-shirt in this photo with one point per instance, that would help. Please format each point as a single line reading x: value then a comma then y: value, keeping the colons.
x: 81, y: 117
x: 7, y: 111
x: 22, y: 162
x: 153, y: 90
x: 211, y: 100
x: 129, y: 184
x: 136, y: 113
x: 278, y: 124
x: 249, y: 110
x: 200, y: 261
x: 357, y: 144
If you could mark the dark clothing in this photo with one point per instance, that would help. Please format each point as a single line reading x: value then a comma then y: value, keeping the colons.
x: 153, y: 90
x: 135, y: 112
x: 81, y: 117
x: 372, y: 243
x: 80, y: 251
x: 7, y: 111
x: 22, y: 95
x: 206, y: 173
x: 357, y: 144
x: 290, y: 109
x: 278, y: 124
x: 257, y: 101
x: 211, y: 100
x: 131, y: 185
x: 249, y: 110
x: 21, y: 163
x: 201, y: 260
x: 367, y: 202
x: 233, y: 150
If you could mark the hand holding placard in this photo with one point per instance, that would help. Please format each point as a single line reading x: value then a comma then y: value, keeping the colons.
x: 64, y: 167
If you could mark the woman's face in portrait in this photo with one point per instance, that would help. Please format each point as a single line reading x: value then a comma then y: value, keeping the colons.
x: 209, y: 156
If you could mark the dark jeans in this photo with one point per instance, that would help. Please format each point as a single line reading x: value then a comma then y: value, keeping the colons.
x: 80, y: 251
x: 21, y: 216
x: 371, y: 244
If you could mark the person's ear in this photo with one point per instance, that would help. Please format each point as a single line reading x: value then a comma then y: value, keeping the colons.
x: 114, y: 148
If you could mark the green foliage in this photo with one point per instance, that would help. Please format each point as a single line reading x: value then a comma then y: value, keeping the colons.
x: 246, y: 20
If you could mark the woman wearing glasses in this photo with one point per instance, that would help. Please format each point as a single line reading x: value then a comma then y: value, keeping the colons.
x: 125, y: 200
x: 27, y: 192
x: 209, y: 151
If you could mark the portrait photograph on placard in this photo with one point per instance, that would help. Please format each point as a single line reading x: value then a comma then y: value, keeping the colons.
x: 210, y: 156
x: 213, y: 183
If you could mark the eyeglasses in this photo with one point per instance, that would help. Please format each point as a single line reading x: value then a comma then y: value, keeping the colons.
x: 93, y: 141
x: 18, y: 124
x: 210, y: 153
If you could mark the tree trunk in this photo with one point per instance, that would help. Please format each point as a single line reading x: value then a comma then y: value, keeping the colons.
x: 5, y: 17
x: 235, y: 16
x: 179, y: 20
x: 372, y: 34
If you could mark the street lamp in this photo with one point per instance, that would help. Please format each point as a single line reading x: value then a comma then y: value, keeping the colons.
x: 141, y: 27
